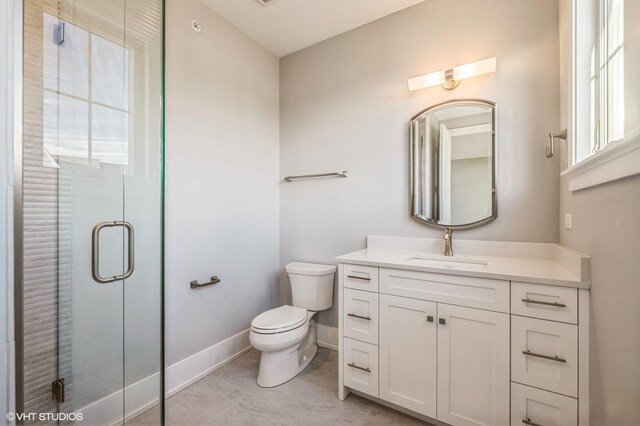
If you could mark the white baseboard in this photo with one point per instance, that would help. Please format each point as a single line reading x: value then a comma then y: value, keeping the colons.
x: 328, y: 337
x: 143, y: 394
x: 191, y: 369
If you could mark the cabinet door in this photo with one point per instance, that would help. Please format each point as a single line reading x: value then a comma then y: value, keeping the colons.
x: 473, y: 366
x: 408, y: 353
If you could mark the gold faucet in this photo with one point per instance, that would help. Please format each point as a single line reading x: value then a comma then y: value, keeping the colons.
x: 448, y: 242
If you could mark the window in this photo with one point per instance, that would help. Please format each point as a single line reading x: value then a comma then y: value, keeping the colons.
x: 606, y: 114
x: 86, y: 97
x: 605, y: 104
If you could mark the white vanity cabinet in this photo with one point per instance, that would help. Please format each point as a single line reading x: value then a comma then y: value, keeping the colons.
x: 464, y: 350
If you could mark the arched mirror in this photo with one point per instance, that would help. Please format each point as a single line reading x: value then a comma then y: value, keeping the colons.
x: 453, y: 164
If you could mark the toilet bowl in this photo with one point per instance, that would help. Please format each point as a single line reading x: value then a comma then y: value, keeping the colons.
x: 286, y: 336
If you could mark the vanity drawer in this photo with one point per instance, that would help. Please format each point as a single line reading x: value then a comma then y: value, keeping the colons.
x: 361, y: 315
x: 360, y: 277
x: 538, y: 407
x: 545, y: 302
x: 361, y: 366
x: 544, y: 354
x: 481, y: 293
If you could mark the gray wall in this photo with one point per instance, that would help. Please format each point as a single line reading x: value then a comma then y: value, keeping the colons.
x: 221, y: 179
x: 345, y: 106
x: 606, y: 226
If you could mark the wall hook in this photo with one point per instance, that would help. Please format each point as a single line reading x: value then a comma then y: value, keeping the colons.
x: 549, y: 149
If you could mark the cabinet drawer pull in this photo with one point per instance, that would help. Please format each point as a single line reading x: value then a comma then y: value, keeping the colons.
x: 537, y: 302
x: 552, y: 358
x: 357, y: 367
x: 360, y: 317
x: 429, y: 318
x: 358, y: 278
x: 442, y: 321
x: 530, y: 423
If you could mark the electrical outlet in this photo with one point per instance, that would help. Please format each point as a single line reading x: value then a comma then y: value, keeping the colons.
x: 567, y: 221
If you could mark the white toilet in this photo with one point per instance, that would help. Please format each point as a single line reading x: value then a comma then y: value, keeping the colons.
x: 286, y: 336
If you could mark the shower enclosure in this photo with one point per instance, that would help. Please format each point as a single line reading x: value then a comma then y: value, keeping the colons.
x: 89, y: 193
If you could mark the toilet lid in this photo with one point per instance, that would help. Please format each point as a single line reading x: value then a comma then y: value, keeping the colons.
x: 280, y: 319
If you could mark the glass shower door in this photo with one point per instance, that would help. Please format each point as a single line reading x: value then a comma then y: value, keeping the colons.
x: 102, y: 134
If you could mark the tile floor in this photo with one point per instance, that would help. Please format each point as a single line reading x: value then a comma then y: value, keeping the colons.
x: 230, y: 396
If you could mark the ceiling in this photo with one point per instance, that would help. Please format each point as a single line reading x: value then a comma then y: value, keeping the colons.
x: 285, y: 26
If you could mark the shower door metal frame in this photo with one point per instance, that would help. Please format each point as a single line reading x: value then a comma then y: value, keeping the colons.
x: 18, y: 240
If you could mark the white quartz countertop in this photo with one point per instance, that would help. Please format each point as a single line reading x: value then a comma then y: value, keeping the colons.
x: 552, y: 270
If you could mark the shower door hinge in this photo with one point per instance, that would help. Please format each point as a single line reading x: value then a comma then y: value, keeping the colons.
x: 58, y: 33
x: 57, y: 390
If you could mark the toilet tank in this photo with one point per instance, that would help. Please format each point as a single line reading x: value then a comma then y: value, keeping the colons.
x: 311, y: 285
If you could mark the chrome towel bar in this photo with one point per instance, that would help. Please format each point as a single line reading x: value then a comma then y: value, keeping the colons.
x: 342, y: 174
x: 214, y: 280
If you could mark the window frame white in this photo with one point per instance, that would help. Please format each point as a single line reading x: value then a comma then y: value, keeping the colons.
x: 617, y: 159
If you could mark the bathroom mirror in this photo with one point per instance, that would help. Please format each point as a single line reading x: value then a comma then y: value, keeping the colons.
x: 453, y: 161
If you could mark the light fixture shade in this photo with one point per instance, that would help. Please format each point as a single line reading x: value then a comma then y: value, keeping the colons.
x: 474, y: 69
x: 427, y: 80
x: 453, y: 75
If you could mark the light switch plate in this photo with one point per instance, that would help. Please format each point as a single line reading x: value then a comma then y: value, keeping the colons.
x: 567, y: 221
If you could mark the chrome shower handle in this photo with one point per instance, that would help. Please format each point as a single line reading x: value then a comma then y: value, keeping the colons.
x: 95, y: 251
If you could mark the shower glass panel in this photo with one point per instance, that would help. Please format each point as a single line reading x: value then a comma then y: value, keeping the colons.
x: 92, y: 210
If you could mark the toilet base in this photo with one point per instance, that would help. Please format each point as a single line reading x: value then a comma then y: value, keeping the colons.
x: 279, y: 367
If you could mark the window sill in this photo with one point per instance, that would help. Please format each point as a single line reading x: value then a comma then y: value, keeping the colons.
x: 618, y: 160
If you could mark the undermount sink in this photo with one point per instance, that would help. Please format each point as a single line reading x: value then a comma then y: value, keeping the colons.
x: 450, y: 262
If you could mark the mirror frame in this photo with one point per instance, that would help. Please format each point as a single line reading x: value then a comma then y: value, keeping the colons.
x: 494, y: 194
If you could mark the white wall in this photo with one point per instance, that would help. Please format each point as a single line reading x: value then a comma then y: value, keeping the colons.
x: 7, y: 396
x: 221, y: 179
x: 345, y: 106
x: 606, y: 226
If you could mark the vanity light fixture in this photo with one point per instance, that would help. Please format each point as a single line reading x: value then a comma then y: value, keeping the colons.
x: 450, y: 79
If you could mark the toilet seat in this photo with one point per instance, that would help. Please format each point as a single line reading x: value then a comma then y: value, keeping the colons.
x: 279, y: 320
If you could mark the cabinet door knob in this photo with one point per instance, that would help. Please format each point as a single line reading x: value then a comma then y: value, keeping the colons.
x: 442, y: 321
x: 429, y: 318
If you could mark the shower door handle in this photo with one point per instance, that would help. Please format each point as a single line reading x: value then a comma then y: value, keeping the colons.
x: 95, y: 251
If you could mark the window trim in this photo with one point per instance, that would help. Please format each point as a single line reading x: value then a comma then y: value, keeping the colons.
x: 618, y: 160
